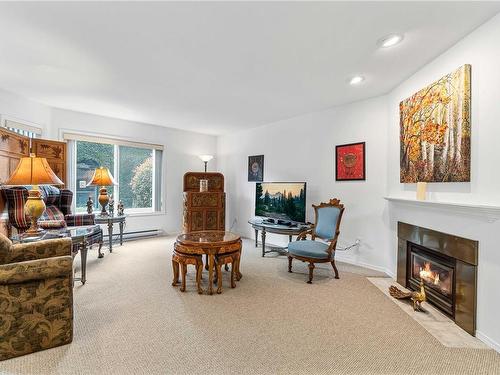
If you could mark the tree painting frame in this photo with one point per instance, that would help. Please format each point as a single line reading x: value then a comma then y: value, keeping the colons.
x: 435, y: 131
x: 256, y: 168
x: 350, y: 162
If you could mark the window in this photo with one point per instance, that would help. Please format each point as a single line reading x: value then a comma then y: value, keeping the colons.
x: 135, y: 167
x: 22, y: 128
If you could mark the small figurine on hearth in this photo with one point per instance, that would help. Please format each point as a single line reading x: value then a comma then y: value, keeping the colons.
x: 90, y: 205
x: 120, y: 208
x: 111, y: 205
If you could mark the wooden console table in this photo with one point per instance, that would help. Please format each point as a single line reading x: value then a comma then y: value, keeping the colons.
x: 211, y: 243
x: 265, y: 227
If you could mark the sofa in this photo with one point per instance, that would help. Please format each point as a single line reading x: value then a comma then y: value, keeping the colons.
x: 57, y: 213
x: 36, y: 296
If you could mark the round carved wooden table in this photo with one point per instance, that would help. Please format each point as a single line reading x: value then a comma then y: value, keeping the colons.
x: 211, y: 243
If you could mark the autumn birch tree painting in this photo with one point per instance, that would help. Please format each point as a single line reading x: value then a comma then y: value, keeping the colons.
x: 436, y: 130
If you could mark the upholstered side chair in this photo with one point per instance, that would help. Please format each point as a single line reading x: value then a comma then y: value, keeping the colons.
x: 327, y: 228
x: 36, y: 296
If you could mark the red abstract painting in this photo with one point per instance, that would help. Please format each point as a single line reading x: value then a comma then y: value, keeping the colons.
x: 350, y: 162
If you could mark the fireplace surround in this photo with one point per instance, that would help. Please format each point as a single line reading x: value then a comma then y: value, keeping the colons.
x: 447, y: 265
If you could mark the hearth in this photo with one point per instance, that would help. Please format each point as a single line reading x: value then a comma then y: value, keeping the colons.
x: 446, y: 264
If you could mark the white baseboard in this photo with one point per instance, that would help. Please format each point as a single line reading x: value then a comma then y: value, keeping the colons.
x: 364, y: 265
x: 488, y: 341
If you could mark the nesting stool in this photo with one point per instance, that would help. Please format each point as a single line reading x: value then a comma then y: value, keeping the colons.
x: 225, y: 259
x: 182, y: 260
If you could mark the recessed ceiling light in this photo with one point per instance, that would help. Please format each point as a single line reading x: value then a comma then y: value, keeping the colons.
x: 356, y: 80
x: 390, y: 40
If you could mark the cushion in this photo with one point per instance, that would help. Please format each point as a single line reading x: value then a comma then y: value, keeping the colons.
x: 309, y: 249
x: 51, y: 224
x: 50, y: 194
x: 326, y: 224
x: 52, y: 213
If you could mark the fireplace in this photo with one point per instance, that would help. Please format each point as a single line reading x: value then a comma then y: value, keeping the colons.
x: 437, y: 273
x: 446, y: 264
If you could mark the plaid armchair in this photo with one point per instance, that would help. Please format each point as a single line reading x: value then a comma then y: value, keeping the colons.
x: 57, y: 214
x: 36, y: 296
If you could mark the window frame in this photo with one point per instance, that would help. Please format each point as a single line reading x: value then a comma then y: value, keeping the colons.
x: 158, y: 201
x: 22, y: 127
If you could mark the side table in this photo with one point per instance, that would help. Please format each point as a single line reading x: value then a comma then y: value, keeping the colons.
x: 110, y: 220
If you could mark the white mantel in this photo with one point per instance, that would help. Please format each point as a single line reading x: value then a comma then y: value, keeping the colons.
x: 486, y: 212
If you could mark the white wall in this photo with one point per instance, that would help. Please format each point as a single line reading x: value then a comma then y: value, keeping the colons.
x: 18, y: 107
x: 302, y: 149
x: 481, y: 50
x: 180, y: 155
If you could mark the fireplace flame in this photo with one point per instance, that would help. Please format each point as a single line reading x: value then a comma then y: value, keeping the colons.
x: 428, y: 275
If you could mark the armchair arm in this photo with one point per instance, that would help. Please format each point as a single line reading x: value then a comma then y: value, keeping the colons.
x: 39, y: 269
x: 303, y: 235
x: 76, y: 220
x: 40, y: 249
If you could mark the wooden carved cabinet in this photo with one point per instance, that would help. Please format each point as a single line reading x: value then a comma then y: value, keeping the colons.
x: 54, y: 152
x: 204, y: 210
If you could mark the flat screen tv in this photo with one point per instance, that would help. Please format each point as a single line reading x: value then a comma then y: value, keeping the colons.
x: 281, y: 200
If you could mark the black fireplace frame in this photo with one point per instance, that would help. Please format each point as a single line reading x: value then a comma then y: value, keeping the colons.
x: 440, y: 300
x: 464, y: 253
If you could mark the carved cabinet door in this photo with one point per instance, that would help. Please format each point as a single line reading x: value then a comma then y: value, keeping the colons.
x: 54, y: 152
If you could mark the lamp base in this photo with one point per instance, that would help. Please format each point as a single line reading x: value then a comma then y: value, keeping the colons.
x: 34, y: 208
x: 103, y: 200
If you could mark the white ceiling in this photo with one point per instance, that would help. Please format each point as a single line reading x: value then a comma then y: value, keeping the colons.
x: 219, y: 67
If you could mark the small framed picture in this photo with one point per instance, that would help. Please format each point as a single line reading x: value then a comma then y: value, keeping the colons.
x: 256, y: 168
x: 350, y: 160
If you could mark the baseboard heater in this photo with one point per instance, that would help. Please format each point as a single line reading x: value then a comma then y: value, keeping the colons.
x: 131, y: 236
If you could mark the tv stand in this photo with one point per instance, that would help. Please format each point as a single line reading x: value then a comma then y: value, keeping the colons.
x: 276, y: 226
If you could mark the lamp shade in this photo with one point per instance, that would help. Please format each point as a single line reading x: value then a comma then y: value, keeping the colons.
x: 206, y: 158
x: 33, y: 171
x: 102, y: 177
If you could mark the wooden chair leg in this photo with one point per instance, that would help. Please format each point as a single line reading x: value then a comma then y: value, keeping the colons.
x: 175, y: 267
x: 233, y: 265
x: 206, y: 262
x: 290, y: 259
x: 199, y: 271
x: 183, y: 274
x: 335, y: 269
x: 219, y: 278
x: 311, y: 269
x: 237, y: 273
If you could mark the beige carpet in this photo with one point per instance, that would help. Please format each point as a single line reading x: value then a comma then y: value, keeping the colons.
x: 130, y: 320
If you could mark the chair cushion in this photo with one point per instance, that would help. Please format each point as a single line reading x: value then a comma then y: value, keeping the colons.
x: 309, y: 249
x: 52, y: 213
x: 50, y: 194
x: 326, y: 224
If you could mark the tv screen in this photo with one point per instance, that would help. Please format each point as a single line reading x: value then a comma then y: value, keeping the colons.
x: 281, y: 200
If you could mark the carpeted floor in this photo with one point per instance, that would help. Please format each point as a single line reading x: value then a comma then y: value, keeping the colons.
x: 130, y: 320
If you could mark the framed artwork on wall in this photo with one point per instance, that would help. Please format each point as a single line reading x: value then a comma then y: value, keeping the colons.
x: 256, y: 168
x: 350, y: 160
x: 435, y: 131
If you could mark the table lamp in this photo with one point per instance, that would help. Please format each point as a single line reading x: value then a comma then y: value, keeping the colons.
x: 34, y: 171
x: 102, y: 177
x: 206, y: 159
